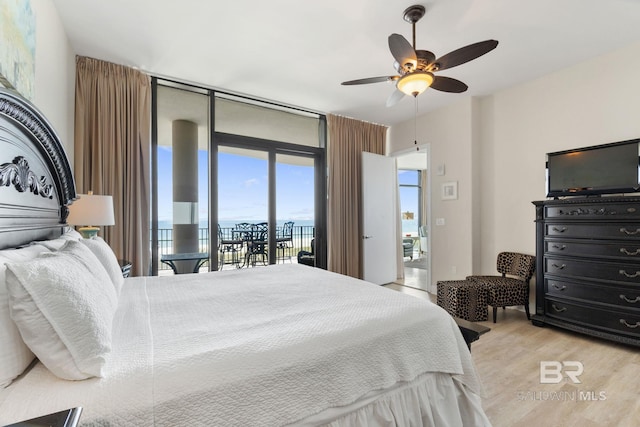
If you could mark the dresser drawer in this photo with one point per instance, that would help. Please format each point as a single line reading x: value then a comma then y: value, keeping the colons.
x: 608, y: 212
x: 624, y: 251
x: 606, y: 294
x: 612, y: 320
x: 617, y: 231
x: 606, y: 271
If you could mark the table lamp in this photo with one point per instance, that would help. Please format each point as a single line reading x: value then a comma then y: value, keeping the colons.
x: 91, y: 209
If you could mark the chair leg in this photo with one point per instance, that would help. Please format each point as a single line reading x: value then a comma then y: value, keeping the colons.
x: 495, y: 313
x: 526, y: 310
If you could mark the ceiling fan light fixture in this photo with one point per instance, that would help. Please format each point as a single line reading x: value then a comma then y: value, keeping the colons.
x: 415, y: 83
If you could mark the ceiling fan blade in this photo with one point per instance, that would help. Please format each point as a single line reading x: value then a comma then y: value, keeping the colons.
x: 403, y: 52
x: 447, y: 84
x: 465, y: 54
x: 369, y: 80
x: 395, y: 97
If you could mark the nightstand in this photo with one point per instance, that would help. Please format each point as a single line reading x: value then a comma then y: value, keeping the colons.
x: 125, y: 266
x: 68, y: 418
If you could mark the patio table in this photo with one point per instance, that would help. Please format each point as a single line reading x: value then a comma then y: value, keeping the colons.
x: 199, y: 257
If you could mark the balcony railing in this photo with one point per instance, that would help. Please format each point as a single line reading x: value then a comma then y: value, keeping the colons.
x: 300, y: 240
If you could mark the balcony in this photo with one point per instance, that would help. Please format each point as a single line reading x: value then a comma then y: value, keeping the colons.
x: 287, y: 252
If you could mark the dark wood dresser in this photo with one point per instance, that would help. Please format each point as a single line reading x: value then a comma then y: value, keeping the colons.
x: 588, y: 266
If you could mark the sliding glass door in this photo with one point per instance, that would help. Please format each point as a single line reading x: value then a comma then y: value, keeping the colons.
x: 220, y: 161
x: 243, y: 207
x: 295, y: 205
x: 274, y: 188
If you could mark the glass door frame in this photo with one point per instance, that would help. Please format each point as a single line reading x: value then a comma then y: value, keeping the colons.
x: 273, y: 148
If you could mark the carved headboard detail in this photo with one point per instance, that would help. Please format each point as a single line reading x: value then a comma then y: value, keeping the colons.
x: 19, y: 174
x: 36, y: 183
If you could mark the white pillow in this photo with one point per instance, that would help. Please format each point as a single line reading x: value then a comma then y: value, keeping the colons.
x: 57, y: 243
x: 63, y: 304
x: 107, y: 258
x: 15, y: 356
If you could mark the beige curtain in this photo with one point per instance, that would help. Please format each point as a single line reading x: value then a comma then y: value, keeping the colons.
x: 112, y: 149
x: 348, y: 138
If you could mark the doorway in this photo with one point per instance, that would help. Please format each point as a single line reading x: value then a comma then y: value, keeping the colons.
x: 415, y: 213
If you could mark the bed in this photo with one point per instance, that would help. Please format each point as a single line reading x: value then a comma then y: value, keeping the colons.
x: 280, y: 345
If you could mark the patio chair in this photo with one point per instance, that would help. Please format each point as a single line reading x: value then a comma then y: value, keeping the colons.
x: 306, y: 257
x: 226, y: 246
x: 284, y: 239
x: 257, y: 246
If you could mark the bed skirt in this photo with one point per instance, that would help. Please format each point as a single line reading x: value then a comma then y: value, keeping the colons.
x: 433, y: 399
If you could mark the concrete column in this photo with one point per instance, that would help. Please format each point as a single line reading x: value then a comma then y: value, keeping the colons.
x: 185, y: 191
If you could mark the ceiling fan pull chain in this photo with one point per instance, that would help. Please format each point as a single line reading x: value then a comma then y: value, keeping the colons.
x: 415, y: 124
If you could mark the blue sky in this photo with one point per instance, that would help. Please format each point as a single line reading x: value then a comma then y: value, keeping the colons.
x: 243, y: 188
x: 409, y: 201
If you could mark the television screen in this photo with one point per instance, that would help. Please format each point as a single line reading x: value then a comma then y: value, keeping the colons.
x: 602, y: 169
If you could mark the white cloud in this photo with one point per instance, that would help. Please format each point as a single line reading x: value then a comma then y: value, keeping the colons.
x: 251, y: 182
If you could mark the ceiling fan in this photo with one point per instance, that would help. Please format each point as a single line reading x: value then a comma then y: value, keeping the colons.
x: 416, y: 68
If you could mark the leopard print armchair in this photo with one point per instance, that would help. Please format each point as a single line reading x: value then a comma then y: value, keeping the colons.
x: 503, y: 291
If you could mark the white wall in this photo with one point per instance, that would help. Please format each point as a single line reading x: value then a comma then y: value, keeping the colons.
x: 593, y: 103
x: 495, y: 148
x: 55, y: 72
x: 449, y: 131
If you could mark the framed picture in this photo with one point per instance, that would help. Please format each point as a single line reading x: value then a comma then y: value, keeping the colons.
x: 17, y: 46
x: 450, y: 190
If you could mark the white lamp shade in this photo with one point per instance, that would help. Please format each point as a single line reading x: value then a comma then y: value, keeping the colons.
x: 91, y: 209
x: 415, y: 83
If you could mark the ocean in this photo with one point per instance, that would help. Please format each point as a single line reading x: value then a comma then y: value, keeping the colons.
x: 302, y: 232
x: 409, y: 226
x: 164, y: 224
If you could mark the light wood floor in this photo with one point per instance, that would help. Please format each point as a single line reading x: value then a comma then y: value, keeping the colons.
x: 508, y: 358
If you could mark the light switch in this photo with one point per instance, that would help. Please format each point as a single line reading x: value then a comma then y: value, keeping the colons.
x: 439, y: 221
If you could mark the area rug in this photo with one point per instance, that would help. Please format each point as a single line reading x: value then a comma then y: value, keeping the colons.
x: 417, y: 263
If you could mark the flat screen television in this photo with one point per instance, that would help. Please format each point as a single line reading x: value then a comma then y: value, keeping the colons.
x: 601, y: 169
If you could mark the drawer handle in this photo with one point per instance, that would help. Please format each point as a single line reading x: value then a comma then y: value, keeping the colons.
x: 631, y: 276
x: 628, y: 325
x: 561, y: 267
x: 632, y: 301
x: 561, y: 230
x: 560, y: 310
x: 626, y: 252
x: 563, y: 247
x: 630, y: 233
x: 561, y: 288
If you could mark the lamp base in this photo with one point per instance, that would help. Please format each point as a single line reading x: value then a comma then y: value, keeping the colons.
x: 88, y: 232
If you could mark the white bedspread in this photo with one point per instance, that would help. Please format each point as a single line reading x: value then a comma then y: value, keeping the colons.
x: 260, y: 347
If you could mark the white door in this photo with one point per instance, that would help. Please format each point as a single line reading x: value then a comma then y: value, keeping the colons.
x: 379, y: 240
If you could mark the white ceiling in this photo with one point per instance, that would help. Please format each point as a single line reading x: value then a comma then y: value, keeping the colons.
x: 297, y: 52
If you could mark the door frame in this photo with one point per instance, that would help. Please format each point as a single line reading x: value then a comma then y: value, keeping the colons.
x: 272, y: 148
x: 425, y: 148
